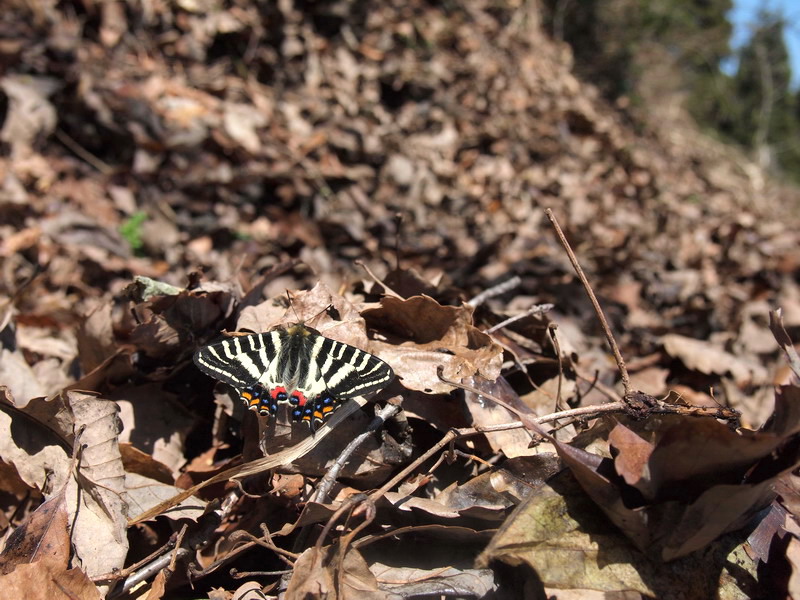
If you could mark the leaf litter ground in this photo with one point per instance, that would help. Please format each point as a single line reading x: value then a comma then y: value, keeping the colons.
x: 169, y: 172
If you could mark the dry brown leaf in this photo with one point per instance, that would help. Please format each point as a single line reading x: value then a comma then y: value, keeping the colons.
x: 47, y: 580
x: 96, y: 337
x: 324, y: 573
x: 409, y: 582
x: 170, y: 320
x: 558, y: 532
x: 484, y: 495
x: 633, y: 453
x: 242, y: 123
x: 19, y: 241
x: 424, y: 336
x: 697, y: 479
x: 652, y: 380
x: 158, y: 587
x: 141, y: 463
x: 250, y: 590
x: 30, y: 113
x: 309, y: 307
x: 154, y: 422
x: 542, y: 400
x: 708, y: 358
x: 114, y: 24
x: 18, y: 377
x: 511, y: 442
x: 143, y: 493
x: 32, y: 444
x: 42, y: 535
x: 99, y: 529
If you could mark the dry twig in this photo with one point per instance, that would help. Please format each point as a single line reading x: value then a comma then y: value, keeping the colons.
x: 623, y: 371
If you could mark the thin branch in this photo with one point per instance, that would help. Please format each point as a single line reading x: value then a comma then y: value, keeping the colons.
x: 348, y: 504
x: 495, y: 290
x: 533, y: 310
x: 152, y: 569
x: 260, y: 464
x: 83, y: 153
x: 387, y: 290
x: 529, y: 420
x: 658, y: 407
x: 623, y: 371
x: 551, y: 329
x: 326, y: 483
x: 446, y: 439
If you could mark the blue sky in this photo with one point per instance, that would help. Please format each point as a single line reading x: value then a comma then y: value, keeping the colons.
x: 744, y: 15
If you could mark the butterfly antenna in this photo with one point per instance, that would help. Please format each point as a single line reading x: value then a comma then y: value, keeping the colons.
x: 323, y: 311
x: 291, y: 305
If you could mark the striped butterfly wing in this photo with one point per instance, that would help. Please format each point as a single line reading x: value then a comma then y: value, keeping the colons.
x: 348, y: 372
x: 241, y: 361
x: 295, y: 365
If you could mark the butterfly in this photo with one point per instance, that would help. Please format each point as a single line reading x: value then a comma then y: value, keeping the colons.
x: 294, y: 365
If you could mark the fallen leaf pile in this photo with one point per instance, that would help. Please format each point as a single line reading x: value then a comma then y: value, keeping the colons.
x: 174, y: 172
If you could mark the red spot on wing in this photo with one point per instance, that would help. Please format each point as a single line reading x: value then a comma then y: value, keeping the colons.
x: 277, y: 390
x: 301, y: 399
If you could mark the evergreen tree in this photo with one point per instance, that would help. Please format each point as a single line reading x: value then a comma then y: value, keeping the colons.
x: 767, y: 121
x: 609, y: 37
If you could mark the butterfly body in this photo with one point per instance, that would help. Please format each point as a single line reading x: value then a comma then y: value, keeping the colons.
x: 294, y: 365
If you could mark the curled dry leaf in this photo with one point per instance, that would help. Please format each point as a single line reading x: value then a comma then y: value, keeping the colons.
x: 485, y: 497
x: 36, y: 447
x: 423, y: 336
x: 311, y: 307
x: 485, y: 494
x: 99, y: 529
